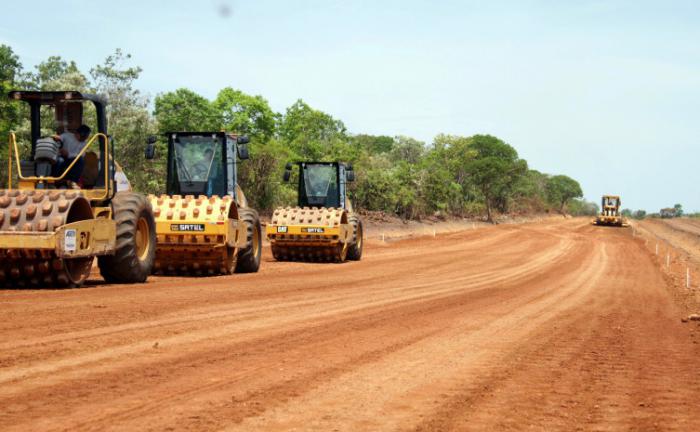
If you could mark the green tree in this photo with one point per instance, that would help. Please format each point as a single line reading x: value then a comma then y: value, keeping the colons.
x: 10, y: 111
x: 449, y: 188
x: 313, y: 134
x: 10, y: 71
x: 495, y: 170
x: 185, y: 110
x: 440, y: 191
x: 407, y: 149
x: 252, y: 116
x: 530, y: 193
x: 409, y: 195
x: 55, y: 74
x: 639, y: 214
x: 580, y: 207
x: 260, y: 175
x: 372, y: 144
x: 561, y: 189
x: 246, y: 114
x: 376, y: 187
x: 679, y: 210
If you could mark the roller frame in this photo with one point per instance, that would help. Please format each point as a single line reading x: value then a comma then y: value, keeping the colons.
x: 296, y: 236
x: 231, y: 233
x: 192, y: 251
x: 97, y: 237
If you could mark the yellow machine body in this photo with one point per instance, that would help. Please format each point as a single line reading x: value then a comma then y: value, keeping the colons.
x: 311, y: 234
x: 610, y: 212
x: 68, y: 240
x: 50, y: 236
x: 51, y: 229
x: 203, y: 222
x: 196, y: 234
x: 609, y: 220
x: 295, y: 227
x: 322, y: 227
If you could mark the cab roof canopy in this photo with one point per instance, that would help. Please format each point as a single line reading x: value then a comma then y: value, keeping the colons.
x: 54, y: 97
x: 63, y: 100
x: 203, y: 133
x: 334, y: 163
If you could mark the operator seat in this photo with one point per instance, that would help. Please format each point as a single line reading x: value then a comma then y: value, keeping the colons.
x: 91, y: 170
x: 45, y: 156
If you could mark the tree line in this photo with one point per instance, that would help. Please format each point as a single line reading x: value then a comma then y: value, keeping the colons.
x: 665, y: 213
x: 478, y: 175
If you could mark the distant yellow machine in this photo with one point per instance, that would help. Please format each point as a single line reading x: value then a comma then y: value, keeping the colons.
x: 323, y: 226
x: 610, y: 212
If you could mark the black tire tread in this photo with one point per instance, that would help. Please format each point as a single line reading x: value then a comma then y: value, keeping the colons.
x: 355, y: 250
x: 248, y: 260
x: 124, y: 266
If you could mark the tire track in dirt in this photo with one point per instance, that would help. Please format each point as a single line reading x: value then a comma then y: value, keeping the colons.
x: 237, y: 318
x: 255, y: 328
x: 499, y: 328
x: 621, y: 361
x: 689, y: 226
x: 442, y: 307
x: 54, y: 302
x: 417, y: 298
x: 406, y: 383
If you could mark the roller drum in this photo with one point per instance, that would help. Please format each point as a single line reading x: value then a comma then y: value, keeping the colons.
x: 41, y: 211
x: 189, y: 253
x: 309, y: 247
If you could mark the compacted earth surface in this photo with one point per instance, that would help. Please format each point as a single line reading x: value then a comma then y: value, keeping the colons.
x: 675, y: 244
x: 550, y: 325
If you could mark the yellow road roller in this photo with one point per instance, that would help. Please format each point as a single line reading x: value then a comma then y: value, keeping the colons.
x: 60, y: 212
x: 204, y: 225
x: 322, y: 227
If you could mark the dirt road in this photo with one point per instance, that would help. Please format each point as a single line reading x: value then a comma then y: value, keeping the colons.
x: 683, y: 233
x: 557, y: 326
x: 676, y: 243
x: 690, y: 226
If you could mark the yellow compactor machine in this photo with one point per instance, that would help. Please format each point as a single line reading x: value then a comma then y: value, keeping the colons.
x: 610, y: 212
x: 323, y: 226
x: 51, y: 229
x: 203, y: 222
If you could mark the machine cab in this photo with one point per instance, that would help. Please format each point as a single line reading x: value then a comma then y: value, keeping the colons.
x: 203, y: 163
x: 55, y: 113
x: 322, y: 184
x: 610, y: 205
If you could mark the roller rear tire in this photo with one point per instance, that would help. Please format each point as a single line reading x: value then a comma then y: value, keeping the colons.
x: 355, y: 248
x: 135, y: 251
x: 249, y: 256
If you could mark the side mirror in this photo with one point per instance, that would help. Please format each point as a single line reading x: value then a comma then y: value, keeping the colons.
x: 287, y: 172
x: 349, y: 175
x: 243, y: 151
x: 150, y: 147
x: 242, y: 139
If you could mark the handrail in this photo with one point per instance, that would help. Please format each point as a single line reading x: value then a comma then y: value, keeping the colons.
x: 50, y: 179
x: 13, y: 139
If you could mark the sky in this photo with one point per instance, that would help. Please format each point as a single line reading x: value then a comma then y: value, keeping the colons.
x: 606, y: 92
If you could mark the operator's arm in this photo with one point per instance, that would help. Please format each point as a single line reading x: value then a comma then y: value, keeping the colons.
x: 61, y: 148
